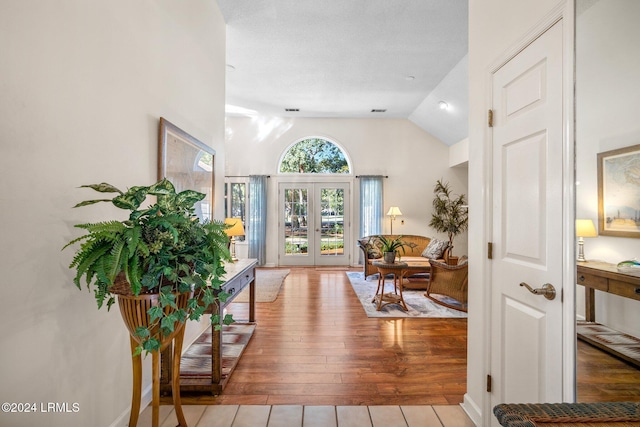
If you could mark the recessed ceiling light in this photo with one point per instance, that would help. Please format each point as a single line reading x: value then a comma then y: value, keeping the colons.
x: 409, y: 78
x: 378, y: 111
x: 443, y: 105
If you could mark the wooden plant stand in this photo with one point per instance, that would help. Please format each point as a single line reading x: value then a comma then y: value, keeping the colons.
x: 134, y: 313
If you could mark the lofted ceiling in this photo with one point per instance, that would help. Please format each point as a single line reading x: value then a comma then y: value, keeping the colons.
x: 345, y: 58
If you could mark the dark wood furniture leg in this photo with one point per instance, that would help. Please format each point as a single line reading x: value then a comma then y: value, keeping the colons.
x: 589, y: 304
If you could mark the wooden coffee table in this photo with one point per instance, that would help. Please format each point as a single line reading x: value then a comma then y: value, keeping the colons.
x: 381, y: 298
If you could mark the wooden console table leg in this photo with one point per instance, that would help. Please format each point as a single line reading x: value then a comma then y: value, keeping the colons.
x: 136, y: 362
x: 252, y: 300
x: 590, y: 304
x: 175, y: 385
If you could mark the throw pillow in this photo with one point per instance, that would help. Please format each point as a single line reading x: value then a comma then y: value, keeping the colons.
x: 435, y: 249
x: 373, y: 252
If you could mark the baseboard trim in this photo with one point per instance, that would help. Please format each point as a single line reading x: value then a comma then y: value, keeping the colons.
x: 145, y: 400
x: 472, y: 410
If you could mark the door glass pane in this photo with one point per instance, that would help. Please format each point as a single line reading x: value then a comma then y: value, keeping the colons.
x: 332, y: 220
x: 296, y: 205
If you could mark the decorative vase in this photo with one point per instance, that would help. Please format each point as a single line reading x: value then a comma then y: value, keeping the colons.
x: 134, y: 313
x: 389, y: 257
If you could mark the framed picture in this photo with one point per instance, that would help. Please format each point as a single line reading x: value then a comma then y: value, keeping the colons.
x: 188, y: 164
x: 619, y: 192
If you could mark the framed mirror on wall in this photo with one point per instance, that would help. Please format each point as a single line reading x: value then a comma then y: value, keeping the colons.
x: 188, y: 163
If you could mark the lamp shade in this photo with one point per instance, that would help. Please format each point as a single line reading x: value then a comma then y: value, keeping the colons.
x: 236, y: 228
x: 585, y: 228
x: 394, y: 211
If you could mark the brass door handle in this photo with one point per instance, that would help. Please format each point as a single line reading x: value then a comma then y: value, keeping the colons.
x: 547, y: 290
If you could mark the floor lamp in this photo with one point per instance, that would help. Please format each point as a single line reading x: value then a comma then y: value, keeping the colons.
x: 584, y: 228
x: 235, y: 229
x: 394, y: 211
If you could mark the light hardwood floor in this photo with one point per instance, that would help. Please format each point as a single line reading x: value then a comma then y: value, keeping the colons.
x: 316, y: 355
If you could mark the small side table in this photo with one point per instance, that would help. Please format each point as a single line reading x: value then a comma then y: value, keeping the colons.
x: 395, y: 297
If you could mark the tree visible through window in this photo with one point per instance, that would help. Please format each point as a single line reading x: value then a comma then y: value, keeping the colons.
x: 314, y: 155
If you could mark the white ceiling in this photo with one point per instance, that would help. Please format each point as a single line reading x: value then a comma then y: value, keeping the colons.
x: 343, y: 58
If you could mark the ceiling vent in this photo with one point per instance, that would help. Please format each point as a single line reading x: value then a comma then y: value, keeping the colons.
x: 379, y: 111
x: 291, y: 109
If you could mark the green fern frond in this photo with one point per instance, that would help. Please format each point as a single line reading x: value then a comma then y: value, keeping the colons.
x: 132, y: 236
x: 101, y: 271
x: 114, y: 227
x: 101, y: 292
x: 86, y: 265
x: 132, y: 273
x: 119, y: 254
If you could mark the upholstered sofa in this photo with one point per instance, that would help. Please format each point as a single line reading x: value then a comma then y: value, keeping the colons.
x: 416, y: 245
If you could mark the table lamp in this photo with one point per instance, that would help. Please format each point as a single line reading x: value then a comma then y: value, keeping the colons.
x: 235, y: 229
x: 584, y: 228
x: 394, y: 211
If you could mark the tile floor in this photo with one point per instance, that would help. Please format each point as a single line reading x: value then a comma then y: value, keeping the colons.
x: 311, y: 416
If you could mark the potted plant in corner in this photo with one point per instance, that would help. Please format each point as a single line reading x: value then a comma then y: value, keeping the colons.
x: 162, y: 264
x: 450, y: 214
x: 390, y: 247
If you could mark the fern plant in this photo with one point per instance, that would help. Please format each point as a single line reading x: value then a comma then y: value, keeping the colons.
x: 161, y: 249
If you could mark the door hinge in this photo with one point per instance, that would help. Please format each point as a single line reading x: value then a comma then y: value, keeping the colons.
x: 488, y: 383
x: 490, y: 118
x: 489, y: 250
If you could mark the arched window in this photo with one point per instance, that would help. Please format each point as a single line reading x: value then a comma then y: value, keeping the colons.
x: 314, y: 155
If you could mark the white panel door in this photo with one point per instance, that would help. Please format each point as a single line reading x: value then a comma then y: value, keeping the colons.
x: 526, y: 335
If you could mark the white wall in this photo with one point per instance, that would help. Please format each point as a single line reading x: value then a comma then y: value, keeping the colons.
x: 459, y: 153
x: 82, y: 87
x: 412, y: 159
x: 607, y: 94
x: 495, y: 26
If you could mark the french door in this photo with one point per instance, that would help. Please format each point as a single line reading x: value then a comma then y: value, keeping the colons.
x: 313, y: 223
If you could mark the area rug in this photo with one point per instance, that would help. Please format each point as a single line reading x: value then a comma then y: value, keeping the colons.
x: 625, y: 346
x: 417, y: 303
x: 268, y: 283
x: 196, y: 360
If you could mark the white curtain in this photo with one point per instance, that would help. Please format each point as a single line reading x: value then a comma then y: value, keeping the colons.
x: 371, y: 205
x: 257, y: 218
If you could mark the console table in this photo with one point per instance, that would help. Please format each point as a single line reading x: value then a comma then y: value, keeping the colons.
x: 605, y: 277
x: 239, y: 275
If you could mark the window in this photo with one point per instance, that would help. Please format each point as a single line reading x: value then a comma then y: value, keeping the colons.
x: 235, y: 197
x: 314, y: 155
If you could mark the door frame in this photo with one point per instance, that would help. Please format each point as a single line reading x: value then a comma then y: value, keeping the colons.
x: 565, y: 12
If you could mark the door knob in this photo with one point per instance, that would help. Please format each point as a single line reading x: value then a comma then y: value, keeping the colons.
x: 547, y: 290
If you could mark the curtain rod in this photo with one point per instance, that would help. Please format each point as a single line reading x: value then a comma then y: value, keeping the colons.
x: 367, y: 176
x: 242, y: 176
